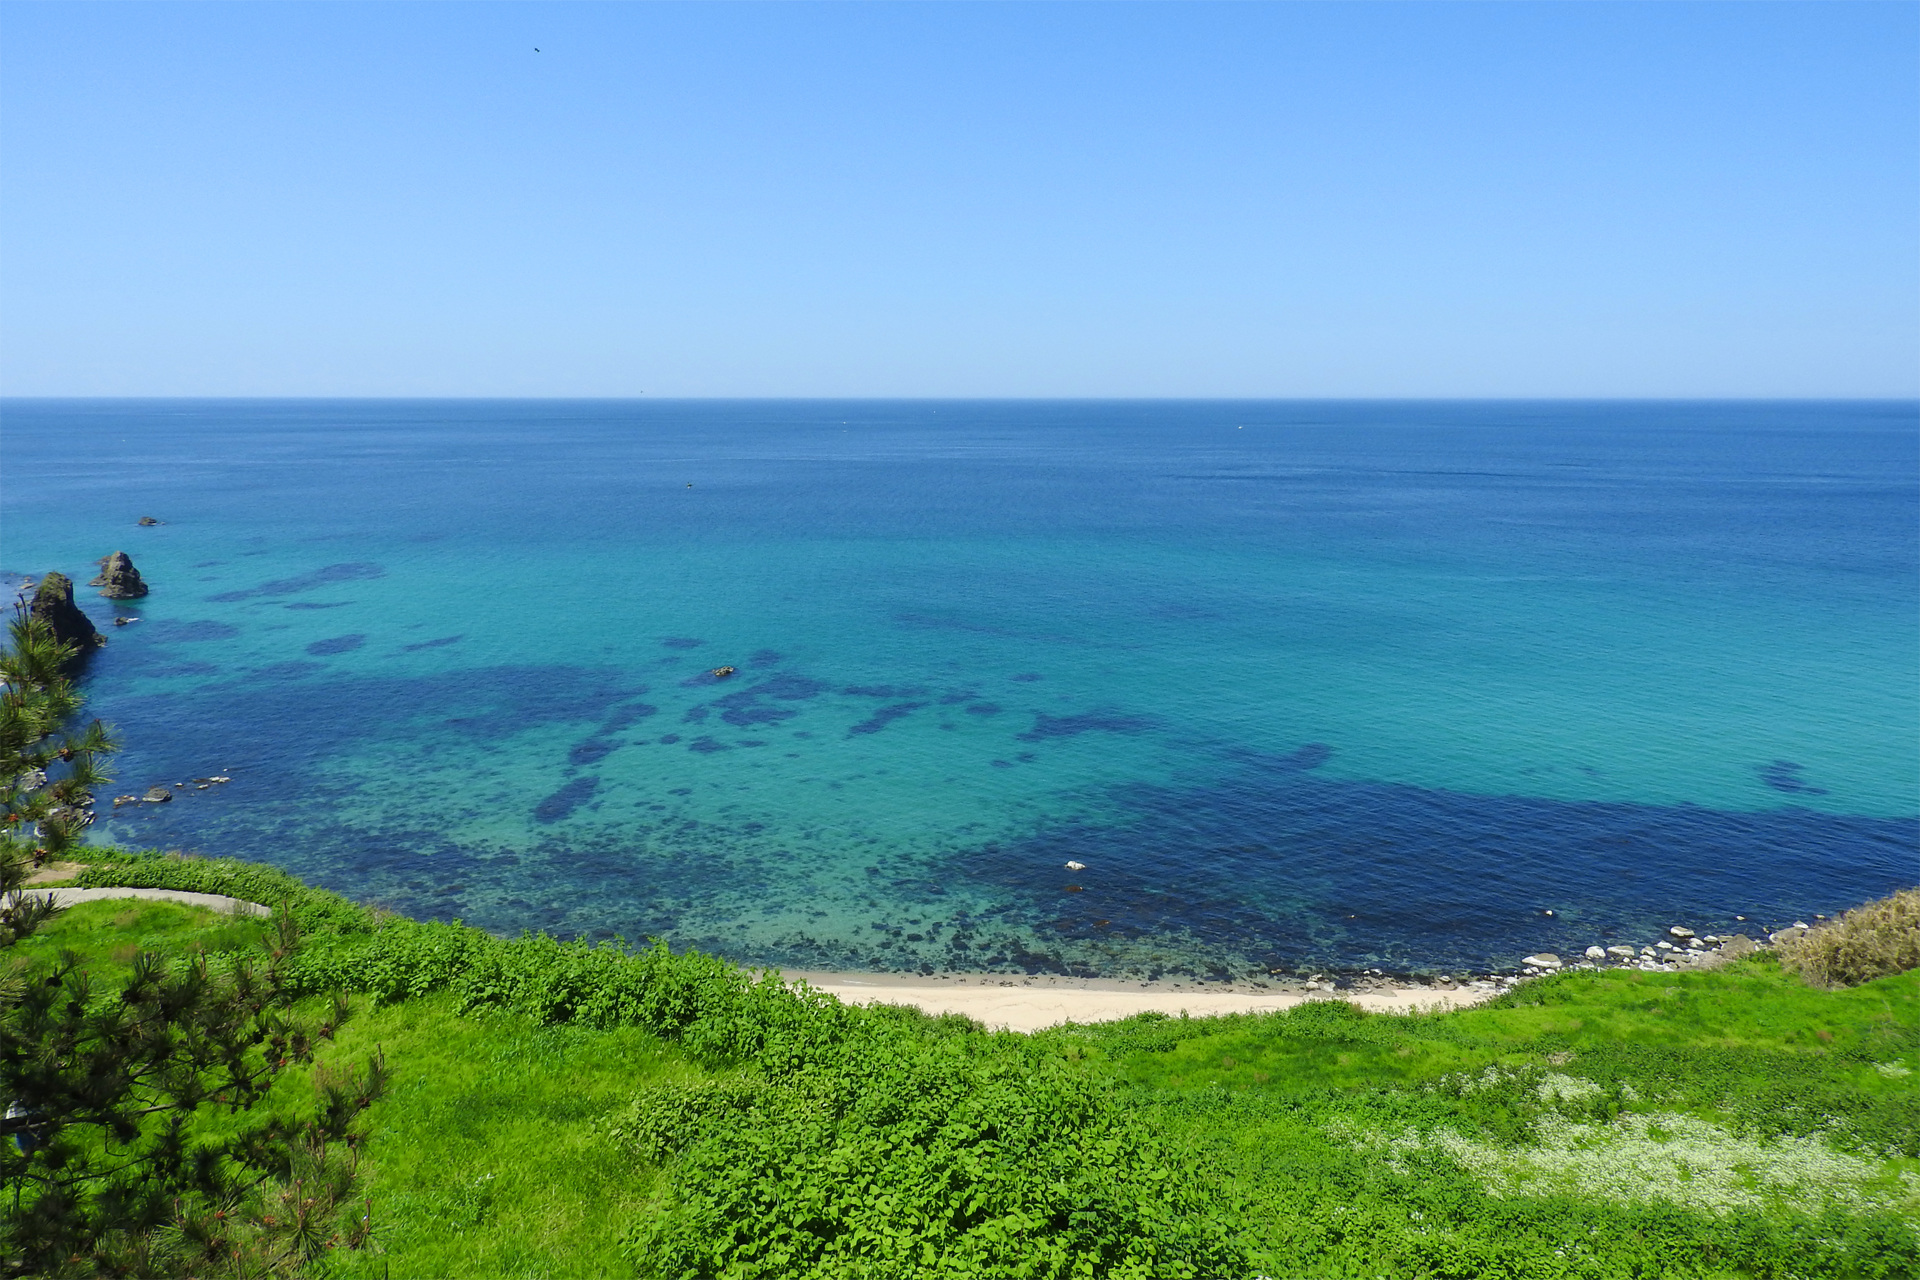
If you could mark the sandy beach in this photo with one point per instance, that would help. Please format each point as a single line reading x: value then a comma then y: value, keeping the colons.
x: 1018, y: 1002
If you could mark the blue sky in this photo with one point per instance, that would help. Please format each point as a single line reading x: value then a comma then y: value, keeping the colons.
x: 966, y: 200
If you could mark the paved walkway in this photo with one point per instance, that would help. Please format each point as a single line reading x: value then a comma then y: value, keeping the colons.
x: 212, y: 901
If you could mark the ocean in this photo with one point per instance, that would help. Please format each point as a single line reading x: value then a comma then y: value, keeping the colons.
x: 1300, y: 685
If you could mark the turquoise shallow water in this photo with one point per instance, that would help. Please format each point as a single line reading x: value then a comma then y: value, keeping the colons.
x: 1301, y: 684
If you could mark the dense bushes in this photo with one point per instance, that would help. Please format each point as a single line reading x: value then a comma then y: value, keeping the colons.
x: 849, y: 1143
x: 795, y: 1136
x: 956, y: 1158
x: 1869, y: 942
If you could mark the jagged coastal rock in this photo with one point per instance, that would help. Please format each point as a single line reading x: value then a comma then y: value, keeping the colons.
x: 118, y: 578
x: 53, y: 604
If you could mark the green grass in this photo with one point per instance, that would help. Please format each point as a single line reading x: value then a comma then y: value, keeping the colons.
x: 106, y: 935
x: 1710, y: 1036
x: 1733, y: 1122
x: 1728, y: 1123
x: 485, y: 1158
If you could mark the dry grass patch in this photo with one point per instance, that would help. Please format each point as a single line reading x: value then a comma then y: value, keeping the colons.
x: 1873, y: 941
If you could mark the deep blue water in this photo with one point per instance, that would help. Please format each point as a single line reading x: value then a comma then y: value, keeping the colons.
x: 1347, y: 684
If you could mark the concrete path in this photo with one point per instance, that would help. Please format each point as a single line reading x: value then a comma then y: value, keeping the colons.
x: 212, y: 901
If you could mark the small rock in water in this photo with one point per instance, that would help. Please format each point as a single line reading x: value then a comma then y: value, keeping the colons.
x: 1680, y: 931
x: 1596, y: 953
x: 157, y: 795
x: 1664, y: 945
x: 118, y: 577
x: 1801, y: 924
x: 1076, y: 866
x: 148, y: 520
x: 1697, y: 944
x: 1545, y: 960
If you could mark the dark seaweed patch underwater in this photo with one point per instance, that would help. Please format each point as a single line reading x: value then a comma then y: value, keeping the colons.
x: 1270, y: 867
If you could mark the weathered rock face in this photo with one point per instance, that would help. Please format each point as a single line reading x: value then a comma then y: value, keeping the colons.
x: 119, y: 579
x: 53, y: 604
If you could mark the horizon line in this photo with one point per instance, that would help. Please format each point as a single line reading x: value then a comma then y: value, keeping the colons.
x: 1909, y: 398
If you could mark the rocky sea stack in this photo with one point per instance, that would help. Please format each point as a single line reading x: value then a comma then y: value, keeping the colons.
x: 53, y: 604
x: 118, y: 578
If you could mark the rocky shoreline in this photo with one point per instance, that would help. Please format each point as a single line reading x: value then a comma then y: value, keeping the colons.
x: 1681, y: 950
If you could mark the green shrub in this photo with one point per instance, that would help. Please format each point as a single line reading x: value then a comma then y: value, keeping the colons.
x: 834, y: 1141
x: 1873, y: 941
x: 314, y: 910
x: 849, y: 1141
x: 910, y: 1159
x: 667, y: 1119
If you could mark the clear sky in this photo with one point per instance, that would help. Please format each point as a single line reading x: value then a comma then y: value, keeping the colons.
x: 967, y: 200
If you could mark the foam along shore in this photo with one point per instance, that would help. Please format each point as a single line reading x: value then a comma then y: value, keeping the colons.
x: 1017, y: 1002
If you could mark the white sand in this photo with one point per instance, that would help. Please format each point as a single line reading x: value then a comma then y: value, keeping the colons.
x: 1002, y: 1001
x: 1019, y: 1003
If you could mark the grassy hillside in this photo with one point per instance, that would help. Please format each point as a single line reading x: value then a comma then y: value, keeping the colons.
x: 561, y: 1110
